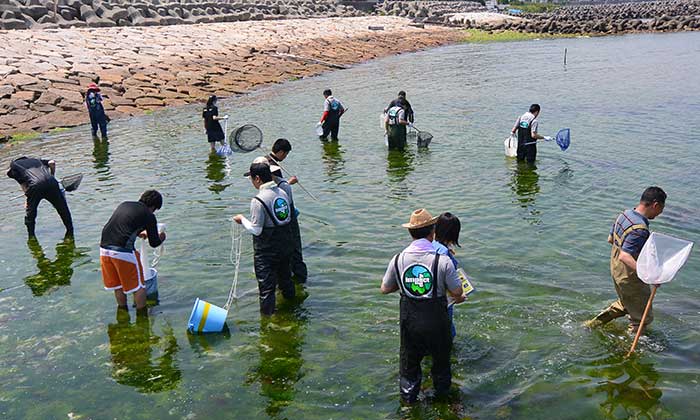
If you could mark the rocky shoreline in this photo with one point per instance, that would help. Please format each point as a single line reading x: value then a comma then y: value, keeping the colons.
x: 43, y: 73
x: 605, y: 19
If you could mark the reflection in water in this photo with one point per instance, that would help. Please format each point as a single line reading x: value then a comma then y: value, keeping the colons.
x: 630, y: 389
x: 204, y: 343
x: 333, y: 160
x: 525, y: 185
x: 100, y: 154
x: 399, y: 166
x: 280, y: 367
x: 52, y: 273
x: 132, y: 345
x: 217, y: 170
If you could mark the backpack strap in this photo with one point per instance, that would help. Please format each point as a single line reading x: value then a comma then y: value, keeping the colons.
x: 435, y: 274
x: 267, y: 210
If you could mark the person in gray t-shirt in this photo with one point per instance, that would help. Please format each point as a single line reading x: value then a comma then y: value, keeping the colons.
x: 270, y: 217
x: 423, y: 278
x: 526, y: 126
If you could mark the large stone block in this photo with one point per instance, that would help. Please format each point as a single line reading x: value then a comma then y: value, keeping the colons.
x: 13, y: 24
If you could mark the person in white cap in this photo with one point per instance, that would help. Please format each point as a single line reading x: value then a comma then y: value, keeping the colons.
x: 424, y: 279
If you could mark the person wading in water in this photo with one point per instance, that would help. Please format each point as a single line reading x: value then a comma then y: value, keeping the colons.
x: 526, y: 127
x: 423, y: 279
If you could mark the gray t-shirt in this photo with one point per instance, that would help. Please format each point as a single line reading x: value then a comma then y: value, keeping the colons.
x: 284, y: 186
x: 414, y: 269
x: 277, y: 202
x: 399, y: 113
x: 530, y: 120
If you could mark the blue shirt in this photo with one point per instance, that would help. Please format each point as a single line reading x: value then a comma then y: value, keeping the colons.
x: 443, y: 250
x: 635, y: 239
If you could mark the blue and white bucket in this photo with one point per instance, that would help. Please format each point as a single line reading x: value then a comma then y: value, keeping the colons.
x: 151, y: 284
x: 206, y: 318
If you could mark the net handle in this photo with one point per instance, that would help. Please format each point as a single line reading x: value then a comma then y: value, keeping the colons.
x: 289, y: 174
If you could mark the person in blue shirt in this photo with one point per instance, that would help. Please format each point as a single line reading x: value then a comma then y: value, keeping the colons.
x: 447, y: 230
x: 627, y: 236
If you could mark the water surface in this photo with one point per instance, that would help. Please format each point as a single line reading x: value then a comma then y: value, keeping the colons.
x: 533, y: 239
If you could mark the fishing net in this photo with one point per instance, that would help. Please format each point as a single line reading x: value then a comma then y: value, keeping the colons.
x: 412, y: 136
x: 661, y: 258
x: 424, y: 138
x: 235, y: 258
x: 510, y: 145
x: 246, y: 138
x: 564, y: 138
x: 71, y: 182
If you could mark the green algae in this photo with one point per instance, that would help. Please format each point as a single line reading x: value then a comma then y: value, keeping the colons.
x: 480, y: 36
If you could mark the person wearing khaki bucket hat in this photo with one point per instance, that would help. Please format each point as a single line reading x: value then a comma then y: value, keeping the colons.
x: 423, y: 279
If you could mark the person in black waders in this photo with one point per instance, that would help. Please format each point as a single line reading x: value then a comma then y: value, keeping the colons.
x: 98, y: 118
x: 280, y: 150
x: 36, y: 177
x: 401, y: 99
x: 333, y: 109
x: 395, y: 124
x: 526, y: 127
x: 423, y: 278
x: 270, y: 217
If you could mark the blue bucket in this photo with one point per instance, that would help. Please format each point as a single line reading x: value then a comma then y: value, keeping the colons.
x: 206, y: 318
x: 151, y: 284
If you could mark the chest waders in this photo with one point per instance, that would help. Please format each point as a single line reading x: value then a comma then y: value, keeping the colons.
x: 272, y: 250
x: 631, y: 291
x: 425, y: 331
x: 397, y: 132
x: 527, y: 147
x: 298, y: 266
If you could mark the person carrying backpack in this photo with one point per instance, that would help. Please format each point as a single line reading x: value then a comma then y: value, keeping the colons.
x: 98, y: 118
x: 333, y: 109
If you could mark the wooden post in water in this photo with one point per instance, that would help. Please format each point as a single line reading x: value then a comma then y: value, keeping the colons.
x: 565, y: 56
x: 644, y: 317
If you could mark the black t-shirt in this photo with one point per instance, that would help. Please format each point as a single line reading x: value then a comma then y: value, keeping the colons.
x: 210, y: 123
x: 30, y: 171
x: 406, y: 107
x: 128, y: 220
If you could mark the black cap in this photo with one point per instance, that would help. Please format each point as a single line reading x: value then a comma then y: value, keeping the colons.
x: 259, y: 169
x: 402, y: 94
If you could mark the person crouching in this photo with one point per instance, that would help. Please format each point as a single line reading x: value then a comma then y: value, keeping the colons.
x: 270, y: 217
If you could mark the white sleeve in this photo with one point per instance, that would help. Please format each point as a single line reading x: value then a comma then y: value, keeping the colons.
x: 250, y: 227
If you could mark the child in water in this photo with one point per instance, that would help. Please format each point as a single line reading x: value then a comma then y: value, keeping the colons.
x: 446, y: 237
x: 211, y: 123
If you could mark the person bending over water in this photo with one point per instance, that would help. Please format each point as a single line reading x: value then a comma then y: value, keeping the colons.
x: 36, y: 178
x: 121, y: 264
x: 270, y: 218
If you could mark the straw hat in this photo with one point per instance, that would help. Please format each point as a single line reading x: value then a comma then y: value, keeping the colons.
x: 420, y: 218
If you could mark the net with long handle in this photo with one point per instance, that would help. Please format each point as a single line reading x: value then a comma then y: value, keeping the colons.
x: 424, y: 138
x: 246, y: 138
x: 235, y: 258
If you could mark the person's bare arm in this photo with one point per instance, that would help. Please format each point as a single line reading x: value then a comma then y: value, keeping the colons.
x: 610, y: 239
x: 52, y: 166
x: 628, y: 260
x: 457, y: 294
x: 386, y: 289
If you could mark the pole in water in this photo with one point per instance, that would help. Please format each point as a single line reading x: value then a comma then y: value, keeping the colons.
x: 641, y: 323
x: 565, y: 50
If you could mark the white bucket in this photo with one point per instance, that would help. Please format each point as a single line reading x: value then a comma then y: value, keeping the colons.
x: 319, y: 130
x: 151, y: 283
x: 510, y: 145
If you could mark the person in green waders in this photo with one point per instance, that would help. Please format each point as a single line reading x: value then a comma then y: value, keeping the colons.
x: 395, y: 124
x: 270, y: 217
x: 423, y: 278
x: 627, y: 236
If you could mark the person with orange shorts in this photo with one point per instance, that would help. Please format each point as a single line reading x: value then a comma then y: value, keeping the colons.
x: 121, y: 264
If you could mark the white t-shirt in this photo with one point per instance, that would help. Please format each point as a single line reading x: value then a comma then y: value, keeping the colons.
x: 530, y: 119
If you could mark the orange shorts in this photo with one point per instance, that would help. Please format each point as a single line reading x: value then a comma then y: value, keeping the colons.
x: 121, y: 270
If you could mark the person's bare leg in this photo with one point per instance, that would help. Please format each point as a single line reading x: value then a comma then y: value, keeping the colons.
x: 121, y: 298
x: 140, y: 298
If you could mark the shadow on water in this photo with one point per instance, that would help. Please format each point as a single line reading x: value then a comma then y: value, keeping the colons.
x: 629, y: 387
x: 281, y: 362
x: 52, y: 273
x: 525, y: 185
x: 100, y: 155
x: 399, y: 167
x: 333, y: 161
x: 132, y: 347
x: 216, y: 171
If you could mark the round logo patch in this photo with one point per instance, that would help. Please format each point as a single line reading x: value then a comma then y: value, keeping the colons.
x: 417, y: 280
x: 281, y: 209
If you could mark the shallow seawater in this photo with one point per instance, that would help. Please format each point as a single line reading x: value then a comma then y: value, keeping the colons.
x: 533, y: 239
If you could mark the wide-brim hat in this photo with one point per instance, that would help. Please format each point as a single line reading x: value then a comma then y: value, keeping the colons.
x: 263, y: 159
x: 419, y: 219
x: 94, y: 87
